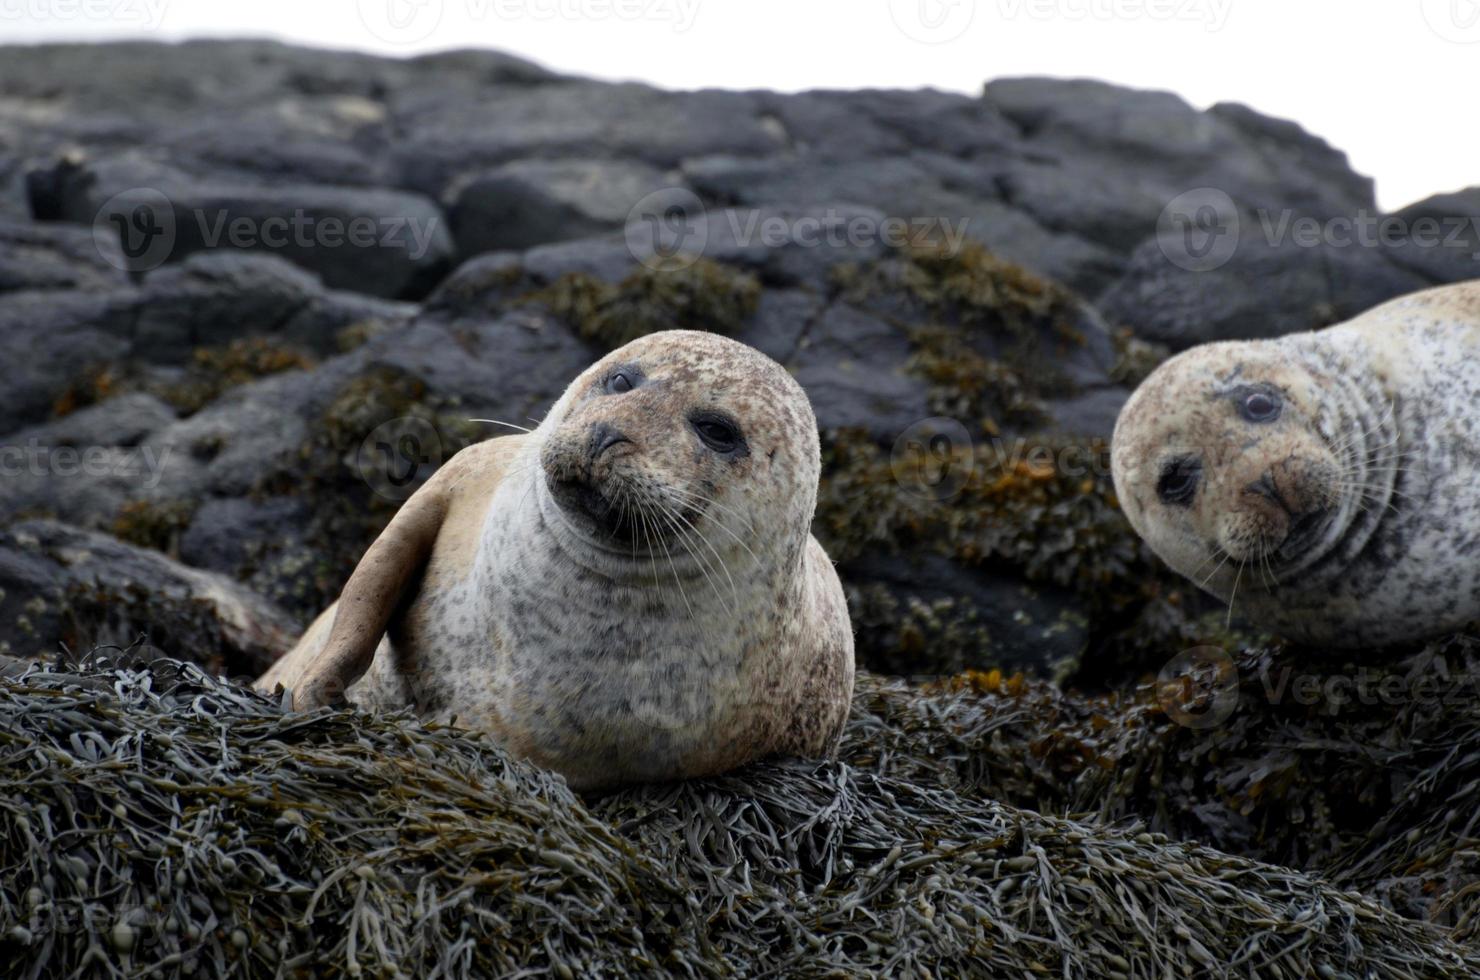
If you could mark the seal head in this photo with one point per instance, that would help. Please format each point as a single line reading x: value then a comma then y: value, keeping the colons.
x: 676, y: 434
x: 1222, y: 459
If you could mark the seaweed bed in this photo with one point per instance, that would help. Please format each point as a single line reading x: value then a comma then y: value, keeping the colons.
x: 158, y: 820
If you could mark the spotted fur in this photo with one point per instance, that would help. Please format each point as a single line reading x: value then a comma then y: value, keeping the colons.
x: 706, y: 639
x: 1354, y: 518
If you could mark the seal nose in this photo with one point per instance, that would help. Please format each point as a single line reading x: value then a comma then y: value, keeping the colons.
x: 1264, y: 487
x: 604, y: 437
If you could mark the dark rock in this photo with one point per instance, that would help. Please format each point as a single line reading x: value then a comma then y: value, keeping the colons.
x: 906, y: 189
x: 213, y: 298
x: 121, y: 421
x: 63, y: 339
x: 878, y: 123
x: 1439, y: 237
x: 852, y: 367
x: 1264, y: 290
x: 48, y: 257
x: 534, y: 202
x: 264, y: 543
x: 62, y: 584
x: 381, y: 242
x: 448, y: 135
x: 1140, y: 139
x: 926, y: 615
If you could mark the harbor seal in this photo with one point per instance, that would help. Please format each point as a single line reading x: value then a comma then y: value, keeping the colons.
x: 629, y: 592
x: 1327, y: 483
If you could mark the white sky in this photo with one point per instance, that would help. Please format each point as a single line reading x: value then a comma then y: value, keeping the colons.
x: 1395, y: 83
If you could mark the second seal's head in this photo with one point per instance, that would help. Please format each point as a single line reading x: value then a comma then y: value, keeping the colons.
x: 683, y: 442
x: 1228, y: 455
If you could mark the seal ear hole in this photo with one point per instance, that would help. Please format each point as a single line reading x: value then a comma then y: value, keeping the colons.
x: 1179, y: 481
x: 622, y: 380
x: 719, y: 432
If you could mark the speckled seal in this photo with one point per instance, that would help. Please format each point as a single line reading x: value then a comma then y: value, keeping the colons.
x: 1325, y: 484
x: 628, y: 593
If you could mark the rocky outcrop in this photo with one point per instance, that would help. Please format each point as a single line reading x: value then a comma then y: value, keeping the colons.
x: 178, y: 279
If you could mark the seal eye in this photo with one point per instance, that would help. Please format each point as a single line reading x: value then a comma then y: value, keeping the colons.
x: 718, y: 433
x: 1260, y: 406
x: 621, y: 381
x: 1179, y: 480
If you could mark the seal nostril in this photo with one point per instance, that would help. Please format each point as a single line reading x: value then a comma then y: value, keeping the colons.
x: 1264, y: 487
x: 604, y: 437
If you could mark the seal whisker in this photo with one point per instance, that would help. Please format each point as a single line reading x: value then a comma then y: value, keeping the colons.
x: 677, y: 580
x: 719, y: 559
x: 511, y: 425
x: 690, y: 494
x: 738, y: 540
x: 667, y: 516
x: 1216, y: 568
x: 1228, y: 624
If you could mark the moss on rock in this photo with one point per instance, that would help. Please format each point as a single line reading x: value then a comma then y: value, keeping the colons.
x: 704, y: 295
x: 153, y: 523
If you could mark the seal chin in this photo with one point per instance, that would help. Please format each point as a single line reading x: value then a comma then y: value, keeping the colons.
x: 593, y: 510
x: 1304, y: 532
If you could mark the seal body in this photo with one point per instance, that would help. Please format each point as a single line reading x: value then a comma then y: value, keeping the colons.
x: 630, y: 592
x: 1324, y: 484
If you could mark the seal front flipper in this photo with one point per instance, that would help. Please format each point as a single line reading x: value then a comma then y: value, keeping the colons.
x: 371, y: 597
